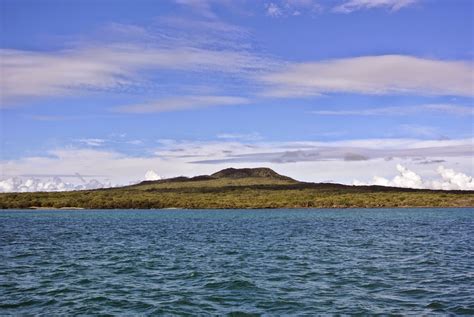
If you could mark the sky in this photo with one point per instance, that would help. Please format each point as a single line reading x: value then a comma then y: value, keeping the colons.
x: 107, y: 93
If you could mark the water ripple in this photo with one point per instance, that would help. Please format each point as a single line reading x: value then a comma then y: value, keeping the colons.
x: 237, y: 263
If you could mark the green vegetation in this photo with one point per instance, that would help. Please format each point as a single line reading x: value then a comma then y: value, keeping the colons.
x: 239, y: 188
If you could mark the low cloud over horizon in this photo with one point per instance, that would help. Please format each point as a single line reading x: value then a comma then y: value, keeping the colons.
x: 448, y: 180
x: 368, y: 161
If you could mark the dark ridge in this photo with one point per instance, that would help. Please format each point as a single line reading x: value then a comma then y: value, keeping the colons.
x: 202, y: 178
x: 321, y: 187
x: 263, y: 172
x: 260, y: 172
x: 167, y: 180
x: 179, y: 179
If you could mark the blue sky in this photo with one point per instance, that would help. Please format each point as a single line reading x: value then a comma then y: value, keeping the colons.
x: 123, y: 85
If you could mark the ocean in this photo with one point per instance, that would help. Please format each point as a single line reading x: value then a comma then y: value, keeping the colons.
x: 237, y: 262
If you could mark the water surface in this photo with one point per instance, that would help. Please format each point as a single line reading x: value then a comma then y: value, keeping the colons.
x: 269, y: 262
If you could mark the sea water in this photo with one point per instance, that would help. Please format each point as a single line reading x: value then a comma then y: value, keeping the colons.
x: 238, y: 262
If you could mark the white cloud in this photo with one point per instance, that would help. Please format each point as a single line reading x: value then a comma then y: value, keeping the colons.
x: 385, y: 74
x: 341, y: 161
x: 392, y: 144
x: 125, y: 60
x: 349, y: 6
x: 151, y: 175
x: 273, y: 10
x: 401, y: 110
x: 453, y: 180
x: 33, y: 74
x: 182, y: 103
x: 122, y: 66
x: 55, y: 184
x: 285, y: 8
x: 406, y: 178
x: 450, y: 180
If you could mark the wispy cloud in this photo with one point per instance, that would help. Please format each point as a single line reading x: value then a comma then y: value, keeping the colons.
x: 135, y: 142
x: 286, y: 8
x: 273, y: 10
x: 401, y: 110
x: 111, y: 141
x: 291, y: 8
x: 127, y: 65
x: 182, y: 103
x: 207, y: 8
x: 129, y: 58
x: 92, y: 142
x: 48, y: 118
x: 201, y: 7
x: 204, y: 31
x: 419, y: 130
x: 349, y: 6
x: 240, y: 136
x: 33, y: 74
x: 385, y: 74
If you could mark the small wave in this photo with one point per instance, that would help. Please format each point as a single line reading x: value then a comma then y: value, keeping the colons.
x: 232, y: 285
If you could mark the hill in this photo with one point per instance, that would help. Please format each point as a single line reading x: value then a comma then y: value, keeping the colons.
x: 239, y: 188
x: 262, y: 172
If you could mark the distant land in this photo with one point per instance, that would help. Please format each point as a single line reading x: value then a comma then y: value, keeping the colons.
x: 239, y: 188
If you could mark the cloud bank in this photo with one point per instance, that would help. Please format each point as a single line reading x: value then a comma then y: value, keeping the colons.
x: 355, y: 150
x: 450, y: 180
x: 373, y: 75
x: 55, y: 184
x: 337, y: 161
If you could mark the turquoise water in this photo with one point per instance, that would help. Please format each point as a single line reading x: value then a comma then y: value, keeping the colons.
x: 269, y: 262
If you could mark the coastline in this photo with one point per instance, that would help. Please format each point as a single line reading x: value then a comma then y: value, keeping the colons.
x: 54, y: 208
x: 242, y: 209
x: 259, y: 188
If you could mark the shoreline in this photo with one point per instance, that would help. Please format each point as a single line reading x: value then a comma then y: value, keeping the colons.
x: 53, y: 208
x: 243, y: 209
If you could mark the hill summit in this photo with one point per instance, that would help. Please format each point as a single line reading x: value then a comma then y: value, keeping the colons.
x: 238, y: 188
x: 263, y: 172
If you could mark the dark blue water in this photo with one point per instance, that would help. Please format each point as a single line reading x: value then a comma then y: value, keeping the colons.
x: 269, y: 262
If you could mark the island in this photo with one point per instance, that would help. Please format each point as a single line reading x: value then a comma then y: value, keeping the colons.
x: 238, y: 189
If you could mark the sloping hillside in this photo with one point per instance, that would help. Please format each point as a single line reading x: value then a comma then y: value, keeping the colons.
x: 239, y: 188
